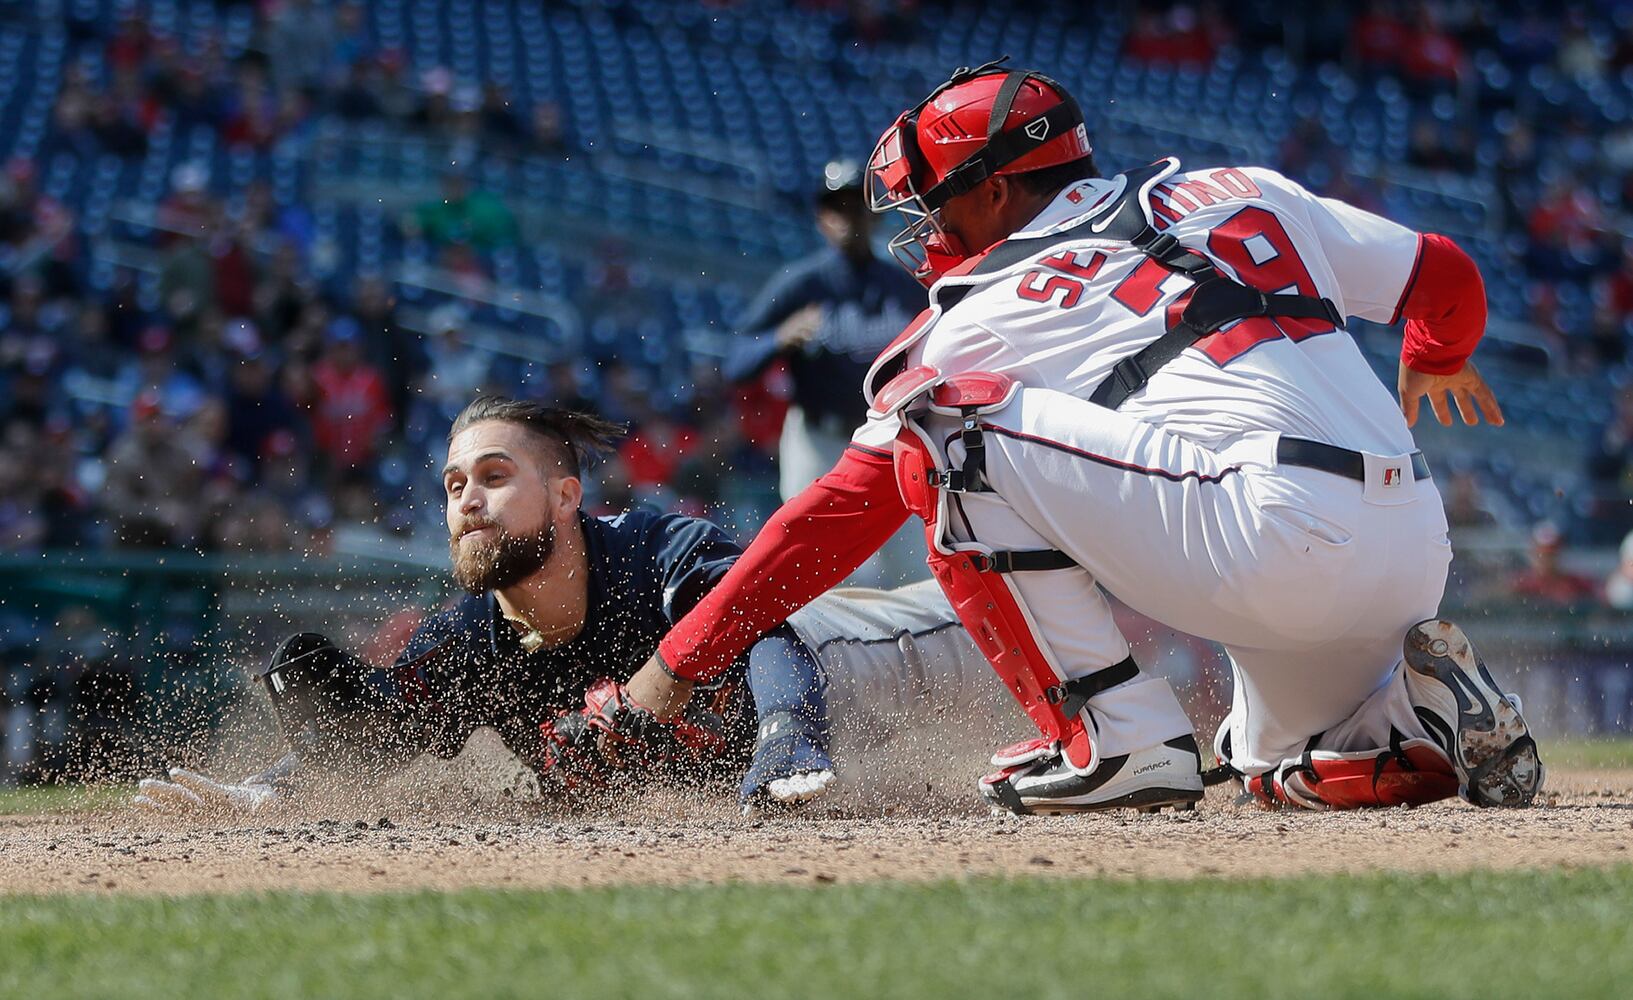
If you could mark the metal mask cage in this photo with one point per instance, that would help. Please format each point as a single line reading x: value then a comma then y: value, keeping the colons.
x: 891, y: 188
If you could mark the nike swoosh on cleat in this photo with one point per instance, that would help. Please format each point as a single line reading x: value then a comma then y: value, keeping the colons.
x: 1473, y: 702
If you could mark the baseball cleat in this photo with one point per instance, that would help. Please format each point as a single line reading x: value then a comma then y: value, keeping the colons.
x: 1479, y: 727
x: 1164, y: 776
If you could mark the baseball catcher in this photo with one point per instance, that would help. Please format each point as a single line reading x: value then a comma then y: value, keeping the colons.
x: 1142, y: 385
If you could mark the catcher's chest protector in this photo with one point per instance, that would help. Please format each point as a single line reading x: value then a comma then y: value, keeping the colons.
x: 973, y: 575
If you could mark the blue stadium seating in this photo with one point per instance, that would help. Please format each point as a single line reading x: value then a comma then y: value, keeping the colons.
x: 702, y: 126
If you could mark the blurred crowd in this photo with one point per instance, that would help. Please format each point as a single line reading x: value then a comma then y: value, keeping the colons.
x: 240, y: 402
x: 237, y: 403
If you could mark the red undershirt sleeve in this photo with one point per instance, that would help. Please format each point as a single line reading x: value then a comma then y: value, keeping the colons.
x: 810, y: 544
x: 1444, y: 304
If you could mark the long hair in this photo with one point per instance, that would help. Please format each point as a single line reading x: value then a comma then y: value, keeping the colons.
x: 579, y: 438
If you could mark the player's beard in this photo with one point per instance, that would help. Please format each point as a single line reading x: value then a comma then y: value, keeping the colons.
x: 501, y: 561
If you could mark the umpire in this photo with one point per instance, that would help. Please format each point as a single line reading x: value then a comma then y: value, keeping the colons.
x: 828, y: 315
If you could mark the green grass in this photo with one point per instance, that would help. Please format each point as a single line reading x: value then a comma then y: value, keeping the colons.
x: 33, y: 799
x: 1479, y: 935
x: 1610, y: 752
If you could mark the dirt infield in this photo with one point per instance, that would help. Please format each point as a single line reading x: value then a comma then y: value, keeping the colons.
x: 1585, y: 820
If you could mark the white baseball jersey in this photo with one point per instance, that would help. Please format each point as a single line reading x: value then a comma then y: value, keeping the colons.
x: 1065, y: 317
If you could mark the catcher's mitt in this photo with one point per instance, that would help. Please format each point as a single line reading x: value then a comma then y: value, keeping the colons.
x: 612, y: 736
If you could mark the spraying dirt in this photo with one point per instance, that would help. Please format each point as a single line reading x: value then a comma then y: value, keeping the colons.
x: 478, y: 822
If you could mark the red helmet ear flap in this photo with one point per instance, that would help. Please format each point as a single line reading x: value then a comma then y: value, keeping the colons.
x: 897, y: 158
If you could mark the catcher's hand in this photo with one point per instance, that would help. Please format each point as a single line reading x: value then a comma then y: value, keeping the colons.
x: 190, y: 793
x: 572, y: 762
x: 1464, y: 388
x: 613, y: 735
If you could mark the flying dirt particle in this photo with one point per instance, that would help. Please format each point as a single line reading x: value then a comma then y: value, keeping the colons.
x: 1038, y: 859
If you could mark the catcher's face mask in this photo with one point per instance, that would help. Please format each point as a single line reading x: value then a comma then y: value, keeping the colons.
x: 953, y: 140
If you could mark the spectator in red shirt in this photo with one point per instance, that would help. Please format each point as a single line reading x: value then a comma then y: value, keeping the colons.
x: 653, y: 454
x: 130, y: 46
x: 1378, y: 37
x: 1544, y: 582
x: 1568, y: 209
x: 1181, y: 37
x: 1618, y: 288
x: 1430, y: 55
x: 351, y: 407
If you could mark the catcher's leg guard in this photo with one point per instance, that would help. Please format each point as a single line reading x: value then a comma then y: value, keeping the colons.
x: 1408, y: 772
x: 973, y: 576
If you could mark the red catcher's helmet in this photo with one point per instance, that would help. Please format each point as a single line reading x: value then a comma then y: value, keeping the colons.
x: 983, y: 122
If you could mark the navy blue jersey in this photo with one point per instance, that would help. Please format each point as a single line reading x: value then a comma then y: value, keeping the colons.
x: 866, y: 303
x: 465, y: 667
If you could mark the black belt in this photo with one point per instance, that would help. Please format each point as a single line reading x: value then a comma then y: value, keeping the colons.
x: 1336, y: 460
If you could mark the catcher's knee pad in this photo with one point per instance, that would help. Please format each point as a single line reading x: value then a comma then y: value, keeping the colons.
x: 973, y: 576
x: 1409, y: 772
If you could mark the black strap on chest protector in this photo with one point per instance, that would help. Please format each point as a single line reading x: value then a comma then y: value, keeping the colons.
x: 1216, y: 300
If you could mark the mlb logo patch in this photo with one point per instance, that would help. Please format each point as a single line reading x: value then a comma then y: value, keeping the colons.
x: 1392, y: 476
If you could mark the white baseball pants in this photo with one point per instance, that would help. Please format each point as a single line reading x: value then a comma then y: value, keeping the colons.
x: 1308, y: 579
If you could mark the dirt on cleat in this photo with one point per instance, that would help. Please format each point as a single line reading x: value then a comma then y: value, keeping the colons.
x: 1491, y: 747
